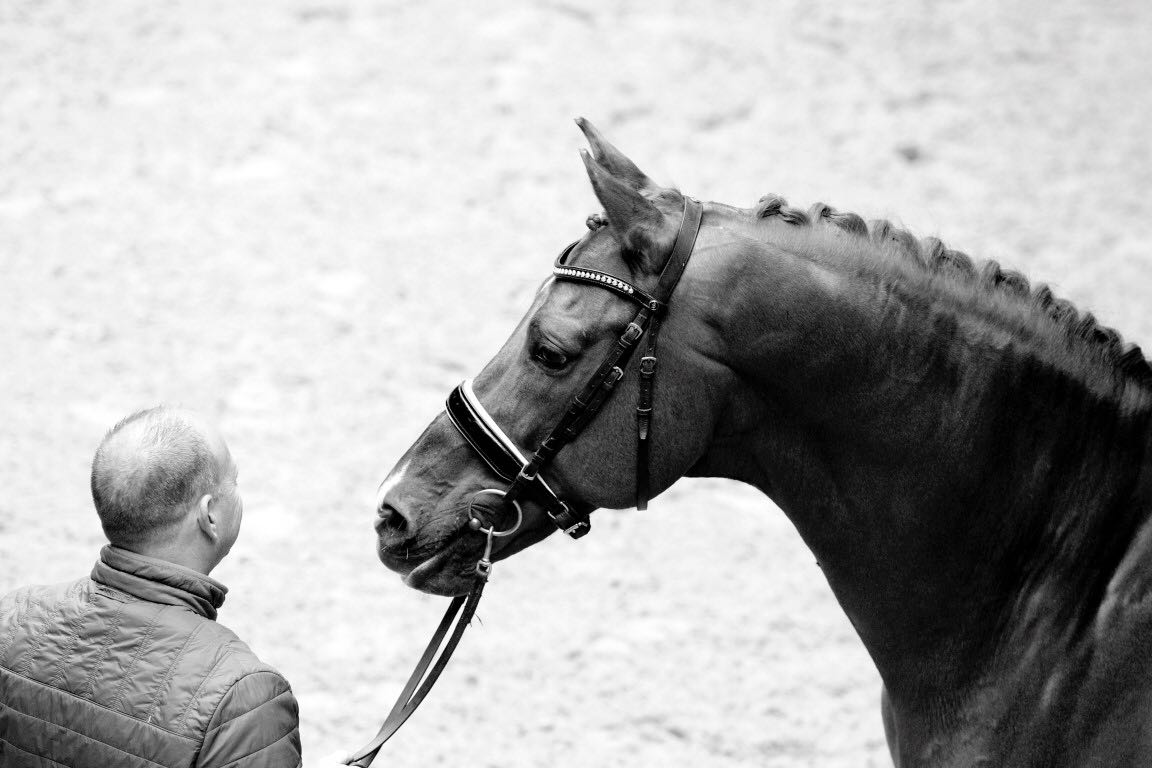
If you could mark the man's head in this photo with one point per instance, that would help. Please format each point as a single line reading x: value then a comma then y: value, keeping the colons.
x: 164, y: 485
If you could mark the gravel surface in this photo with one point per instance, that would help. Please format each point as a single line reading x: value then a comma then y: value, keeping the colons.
x: 310, y: 220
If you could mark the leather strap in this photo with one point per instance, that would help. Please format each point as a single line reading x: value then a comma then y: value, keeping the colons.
x: 681, y: 250
x: 414, y: 692
x: 644, y: 402
x: 617, y: 285
x: 605, y: 280
x: 501, y: 456
x: 669, y: 279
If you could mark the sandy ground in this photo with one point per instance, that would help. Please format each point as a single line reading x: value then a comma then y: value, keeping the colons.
x: 310, y: 220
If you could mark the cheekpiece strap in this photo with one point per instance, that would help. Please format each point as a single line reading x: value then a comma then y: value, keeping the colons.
x: 681, y: 249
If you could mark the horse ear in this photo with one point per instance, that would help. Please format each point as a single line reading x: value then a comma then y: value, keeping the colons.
x: 612, y: 159
x: 638, y: 223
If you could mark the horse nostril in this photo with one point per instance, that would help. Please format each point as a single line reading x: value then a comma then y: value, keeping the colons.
x: 390, y: 519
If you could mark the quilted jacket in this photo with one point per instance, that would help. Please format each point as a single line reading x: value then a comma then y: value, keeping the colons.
x: 129, y: 668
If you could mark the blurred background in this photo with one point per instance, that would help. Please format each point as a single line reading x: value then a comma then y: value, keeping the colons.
x: 310, y: 220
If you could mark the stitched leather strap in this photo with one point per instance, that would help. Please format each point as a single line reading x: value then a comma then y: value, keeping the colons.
x: 681, y: 250
x: 669, y: 279
x: 644, y: 402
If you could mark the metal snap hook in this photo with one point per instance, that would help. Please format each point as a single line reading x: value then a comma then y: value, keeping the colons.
x: 476, y: 524
x: 484, y: 564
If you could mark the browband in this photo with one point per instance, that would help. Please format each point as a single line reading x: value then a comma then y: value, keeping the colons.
x: 617, y: 285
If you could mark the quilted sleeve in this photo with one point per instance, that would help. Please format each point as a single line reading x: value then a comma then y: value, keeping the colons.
x: 257, y: 725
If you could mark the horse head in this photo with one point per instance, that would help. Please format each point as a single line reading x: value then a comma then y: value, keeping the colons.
x: 427, y: 501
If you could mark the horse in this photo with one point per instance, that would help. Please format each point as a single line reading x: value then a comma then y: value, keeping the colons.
x: 966, y: 455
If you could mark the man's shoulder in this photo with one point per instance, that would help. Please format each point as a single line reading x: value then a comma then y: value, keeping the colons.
x: 240, y: 690
x: 231, y: 657
x: 246, y: 707
x: 224, y: 676
x: 211, y: 666
x: 42, y: 594
x: 202, y: 639
x: 36, y: 603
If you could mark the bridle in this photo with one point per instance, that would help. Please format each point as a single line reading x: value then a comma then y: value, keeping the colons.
x: 523, y: 474
x: 502, y: 455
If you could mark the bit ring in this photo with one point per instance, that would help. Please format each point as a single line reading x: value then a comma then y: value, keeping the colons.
x: 477, y: 524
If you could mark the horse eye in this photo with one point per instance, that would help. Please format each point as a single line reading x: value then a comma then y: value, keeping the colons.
x: 552, y: 359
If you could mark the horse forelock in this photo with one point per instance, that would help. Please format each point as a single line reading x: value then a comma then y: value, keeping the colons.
x: 931, y: 257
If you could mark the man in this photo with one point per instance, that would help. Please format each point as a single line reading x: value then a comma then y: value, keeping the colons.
x: 128, y: 667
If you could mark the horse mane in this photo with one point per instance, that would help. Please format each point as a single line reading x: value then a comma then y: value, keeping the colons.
x: 931, y: 255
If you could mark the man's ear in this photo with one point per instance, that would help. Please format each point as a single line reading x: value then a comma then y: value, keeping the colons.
x: 206, y: 517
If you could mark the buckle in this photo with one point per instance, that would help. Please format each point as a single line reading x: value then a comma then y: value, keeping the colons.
x: 647, y: 365
x: 579, y: 529
x: 484, y: 569
x: 567, y: 522
x: 632, y: 333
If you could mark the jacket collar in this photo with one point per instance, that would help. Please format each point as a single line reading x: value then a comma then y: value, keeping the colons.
x: 158, y: 581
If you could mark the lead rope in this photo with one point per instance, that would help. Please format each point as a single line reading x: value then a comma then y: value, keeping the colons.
x: 460, y: 610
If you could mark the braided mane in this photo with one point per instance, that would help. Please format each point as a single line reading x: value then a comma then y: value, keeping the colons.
x: 932, y: 255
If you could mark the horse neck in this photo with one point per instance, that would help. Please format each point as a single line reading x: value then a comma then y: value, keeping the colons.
x: 945, y: 482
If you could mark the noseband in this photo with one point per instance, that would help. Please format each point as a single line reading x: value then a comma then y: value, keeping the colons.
x: 522, y: 474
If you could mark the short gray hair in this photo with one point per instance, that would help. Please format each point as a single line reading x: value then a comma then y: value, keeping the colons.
x: 147, y: 470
